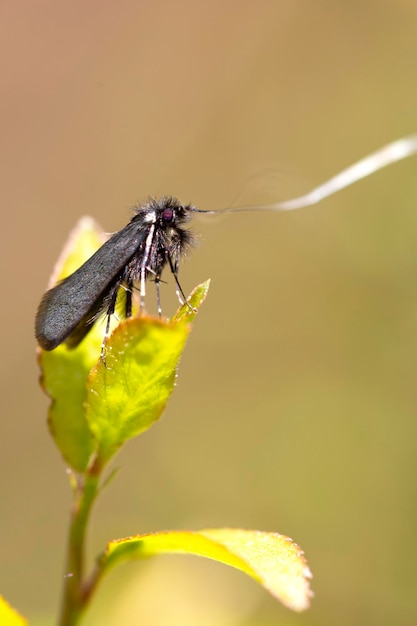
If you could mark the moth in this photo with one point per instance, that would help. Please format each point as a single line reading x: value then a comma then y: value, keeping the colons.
x: 157, y: 237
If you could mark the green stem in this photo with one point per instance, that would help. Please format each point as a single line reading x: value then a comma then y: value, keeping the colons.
x: 75, y: 599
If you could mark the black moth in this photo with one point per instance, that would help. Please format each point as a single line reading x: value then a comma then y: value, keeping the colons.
x: 155, y: 237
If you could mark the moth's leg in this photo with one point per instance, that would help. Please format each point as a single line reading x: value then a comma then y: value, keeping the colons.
x: 142, y: 288
x: 109, y: 312
x: 129, y: 295
x: 158, y: 293
x: 143, y: 266
x: 173, y: 264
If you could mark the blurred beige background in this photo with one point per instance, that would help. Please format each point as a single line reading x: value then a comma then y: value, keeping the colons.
x: 296, y: 404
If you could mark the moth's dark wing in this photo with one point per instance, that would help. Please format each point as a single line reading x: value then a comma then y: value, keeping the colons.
x: 86, y: 323
x: 80, y: 296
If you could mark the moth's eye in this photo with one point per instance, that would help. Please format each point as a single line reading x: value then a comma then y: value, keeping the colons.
x: 167, y: 215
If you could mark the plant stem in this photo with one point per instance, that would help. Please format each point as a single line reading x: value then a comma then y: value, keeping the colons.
x: 75, y: 600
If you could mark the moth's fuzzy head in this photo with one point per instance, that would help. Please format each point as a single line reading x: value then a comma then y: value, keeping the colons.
x: 166, y: 211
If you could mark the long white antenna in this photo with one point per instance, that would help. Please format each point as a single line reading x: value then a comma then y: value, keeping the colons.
x: 391, y: 153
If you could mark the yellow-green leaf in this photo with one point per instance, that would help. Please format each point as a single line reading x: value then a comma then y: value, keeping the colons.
x: 189, y: 310
x: 8, y: 615
x: 65, y: 371
x: 128, y: 391
x: 273, y: 560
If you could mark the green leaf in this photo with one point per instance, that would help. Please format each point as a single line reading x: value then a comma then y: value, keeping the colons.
x: 189, y: 310
x: 127, y: 393
x: 8, y: 615
x: 65, y: 371
x: 273, y: 560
